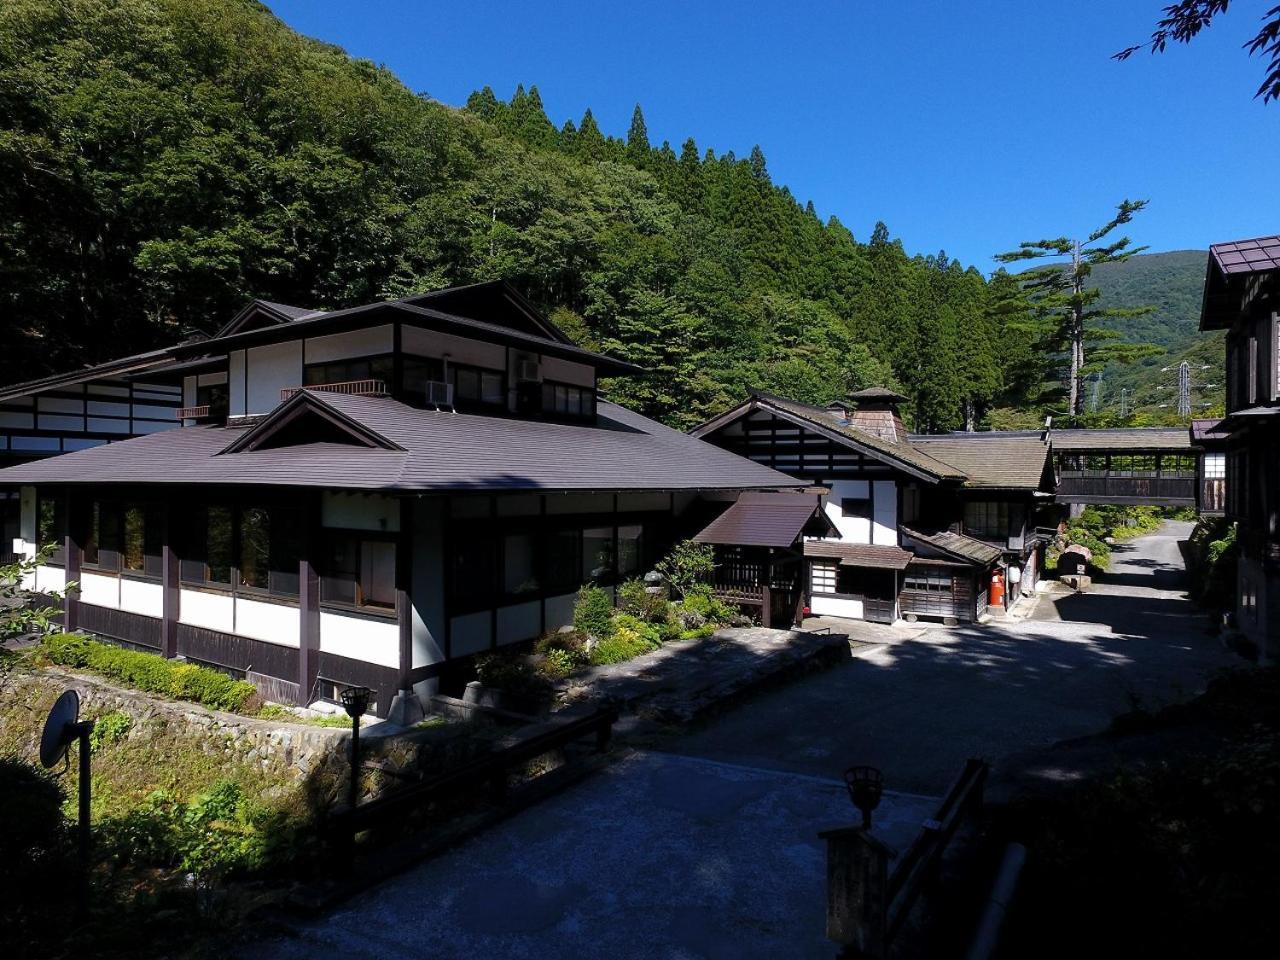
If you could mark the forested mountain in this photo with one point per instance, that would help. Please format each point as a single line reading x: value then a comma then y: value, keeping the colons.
x: 162, y: 161
x: 1173, y: 284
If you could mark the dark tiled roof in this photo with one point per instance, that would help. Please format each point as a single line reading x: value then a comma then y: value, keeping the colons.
x: 957, y: 545
x: 877, y: 393
x: 442, y: 451
x: 1208, y: 430
x: 760, y: 519
x: 859, y: 554
x: 994, y: 461
x: 1123, y: 438
x: 1247, y: 256
x: 905, y: 454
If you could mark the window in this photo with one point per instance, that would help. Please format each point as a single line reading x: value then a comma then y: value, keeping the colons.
x: 358, y: 571
x: 597, y: 554
x: 475, y: 387
x: 1183, y: 464
x: 928, y: 580
x: 472, y: 585
x: 270, y: 549
x: 344, y: 371
x: 856, y: 507
x: 418, y: 373
x: 142, y: 539
x: 1215, y: 466
x: 910, y: 504
x: 207, y: 546
x: 984, y: 518
x: 630, y: 552
x: 561, y: 566
x: 519, y: 574
x: 51, y: 527
x: 822, y: 576
x: 562, y: 399
x: 214, y: 396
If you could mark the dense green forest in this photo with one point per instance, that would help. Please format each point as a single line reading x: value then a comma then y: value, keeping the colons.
x: 162, y: 161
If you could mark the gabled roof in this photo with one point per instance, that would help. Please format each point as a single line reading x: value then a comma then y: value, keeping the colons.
x: 956, y: 545
x: 1232, y: 268
x: 434, y: 452
x: 151, y: 361
x: 264, y: 313
x: 319, y: 422
x: 995, y: 461
x: 900, y: 455
x: 1208, y: 431
x: 762, y: 519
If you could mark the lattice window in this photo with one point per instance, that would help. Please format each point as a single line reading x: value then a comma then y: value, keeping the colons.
x: 823, y: 576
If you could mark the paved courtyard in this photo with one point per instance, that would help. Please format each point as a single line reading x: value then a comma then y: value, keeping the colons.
x: 656, y: 857
x: 918, y: 707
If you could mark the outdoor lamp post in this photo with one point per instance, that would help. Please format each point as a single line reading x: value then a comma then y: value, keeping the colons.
x: 866, y: 786
x: 355, y: 700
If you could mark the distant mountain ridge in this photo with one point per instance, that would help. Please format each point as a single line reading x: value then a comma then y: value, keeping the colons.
x: 1173, y: 283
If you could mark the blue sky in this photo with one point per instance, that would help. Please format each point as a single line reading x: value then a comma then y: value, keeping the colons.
x: 965, y: 127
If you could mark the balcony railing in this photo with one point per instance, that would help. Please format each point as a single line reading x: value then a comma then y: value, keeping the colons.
x: 352, y: 388
x: 1099, y: 487
x: 193, y: 413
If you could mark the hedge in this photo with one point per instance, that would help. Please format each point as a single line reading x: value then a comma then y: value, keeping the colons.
x: 150, y: 672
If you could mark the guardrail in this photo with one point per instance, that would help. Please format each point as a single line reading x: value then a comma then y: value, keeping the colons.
x: 192, y: 413
x: 353, y: 388
x: 489, y: 772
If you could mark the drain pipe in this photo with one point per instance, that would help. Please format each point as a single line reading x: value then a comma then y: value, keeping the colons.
x: 997, y: 908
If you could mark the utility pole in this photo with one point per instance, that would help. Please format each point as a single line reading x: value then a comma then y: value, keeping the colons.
x: 1184, y: 389
x: 1124, y: 402
x: 1096, y: 395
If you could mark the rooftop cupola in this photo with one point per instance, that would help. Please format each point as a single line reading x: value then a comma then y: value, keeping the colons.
x: 875, y: 411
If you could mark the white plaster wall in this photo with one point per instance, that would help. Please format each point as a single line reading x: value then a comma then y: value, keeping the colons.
x: 355, y: 343
x: 885, y: 531
x: 272, y: 368
x: 212, y: 379
x: 428, y: 582
x: 22, y: 421
x: 470, y: 633
x: 520, y: 622
x: 852, y: 529
x: 354, y: 511
x: 429, y: 343
x: 100, y: 590
x: 213, y: 611
x: 836, y: 607
x: 189, y: 391
x: 140, y: 596
x: 277, y: 623
x: 560, y: 611
x: 50, y: 578
x: 566, y: 371
x: 27, y: 525
x: 235, y: 379
x: 360, y: 638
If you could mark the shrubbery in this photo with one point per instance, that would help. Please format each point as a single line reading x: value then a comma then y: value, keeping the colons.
x: 593, y: 612
x: 150, y: 672
x: 109, y: 728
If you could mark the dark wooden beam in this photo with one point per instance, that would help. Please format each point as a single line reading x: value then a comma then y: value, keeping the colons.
x: 170, y: 591
x: 404, y: 592
x: 73, y: 556
x: 308, y: 606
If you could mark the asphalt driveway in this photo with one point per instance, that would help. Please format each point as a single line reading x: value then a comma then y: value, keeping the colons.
x: 917, y: 708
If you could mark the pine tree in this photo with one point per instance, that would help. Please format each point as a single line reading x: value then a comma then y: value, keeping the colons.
x: 638, y: 135
x: 1059, y: 297
x: 758, y: 168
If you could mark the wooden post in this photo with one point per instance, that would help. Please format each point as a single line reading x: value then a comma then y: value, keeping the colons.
x: 404, y: 593
x: 72, y: 557
x: 170, y: 590
x: 857, y: 892
x: 766, y: 591
x: 308, y: 605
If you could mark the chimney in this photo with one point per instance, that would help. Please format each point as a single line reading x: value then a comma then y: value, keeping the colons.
x: 876, y: 412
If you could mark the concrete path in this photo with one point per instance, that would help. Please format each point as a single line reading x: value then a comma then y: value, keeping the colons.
x: 655, y: 858
x: 918, y: 708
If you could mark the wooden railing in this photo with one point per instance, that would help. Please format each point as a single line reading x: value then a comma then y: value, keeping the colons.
x: 489, y: 772
x: 1100, y: 487
x: 353, y: 388
x: 193, y: 413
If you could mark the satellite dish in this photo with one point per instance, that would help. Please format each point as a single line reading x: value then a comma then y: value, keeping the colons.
x: 60, y: 729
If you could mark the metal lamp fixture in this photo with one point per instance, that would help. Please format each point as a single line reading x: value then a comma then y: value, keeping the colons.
x: 355, y: 700
x: 866, y: 786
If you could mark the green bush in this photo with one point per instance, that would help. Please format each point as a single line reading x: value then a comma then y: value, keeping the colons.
x: 1085, y: 538
x: 648, y: 632
x: 109, y: 728
x: 593, y: 612
x: 570, y: 643
x: 623, y: 645
x: 687, y: 565
x: 700, y: 600
x: 150, y: 672
x: 511, y: 673
x: 635, y: 599
x: 558, y: 664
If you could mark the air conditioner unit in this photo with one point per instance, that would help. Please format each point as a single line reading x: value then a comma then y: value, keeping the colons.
x: 439, y: 394
x: 528, y: 371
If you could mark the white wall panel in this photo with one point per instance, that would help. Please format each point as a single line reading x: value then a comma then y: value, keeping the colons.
x: 356, y: 343
x: 470, y: 634
x: 50, y: 578
x: 836, y: 607
x: 560, y: 611
x: 188, y: 391
x: 277, y: 623
x: 100, y: 590
x: 852, y: 529
x: 213, y: 611
x: 886, y: 515
x: 354, y: 511
x: 429, y: 343
x: 271, y: 369
x: 360, y: 638
x: 235, y: 380
x: 140, y: 596
x: 520, y: 622
x: 566, y: 371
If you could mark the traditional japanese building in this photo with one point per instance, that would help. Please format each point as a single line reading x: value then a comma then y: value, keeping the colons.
x: 1242, y: 297
x: 924, y: 522
x: 364, y: 496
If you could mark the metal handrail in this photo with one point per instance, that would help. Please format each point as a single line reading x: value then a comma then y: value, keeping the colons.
x: 192, y: 413
x: 353, y: 388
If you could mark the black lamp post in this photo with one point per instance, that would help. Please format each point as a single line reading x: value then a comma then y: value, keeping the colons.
x: 866, y: 786
x: 355, y: 700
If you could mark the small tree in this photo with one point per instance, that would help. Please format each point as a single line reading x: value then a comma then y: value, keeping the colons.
x: 1065, y: 309
x: 23, y: 610
x: 687, y: 564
